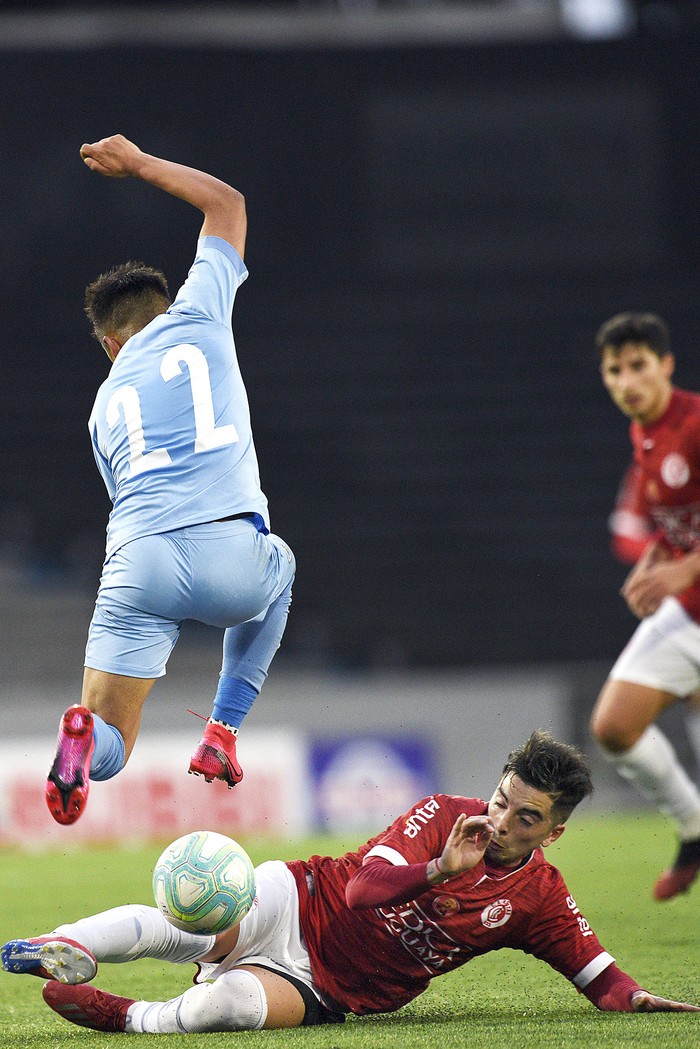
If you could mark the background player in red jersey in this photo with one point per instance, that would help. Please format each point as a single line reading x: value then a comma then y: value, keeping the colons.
x: 449, y: 880
x: 631, y: 531
x: 661, y: 663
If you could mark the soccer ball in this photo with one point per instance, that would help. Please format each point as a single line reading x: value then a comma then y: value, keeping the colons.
x: 204, y: 882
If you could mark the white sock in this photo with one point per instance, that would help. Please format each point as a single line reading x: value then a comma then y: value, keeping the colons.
x: 692, y: 724
x: 651, y: 764
x: 135, y: 931
x: 231, y: 728
x: 236, y: 1001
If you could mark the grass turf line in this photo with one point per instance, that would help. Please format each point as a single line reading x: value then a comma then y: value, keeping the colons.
x: 504, y: 1001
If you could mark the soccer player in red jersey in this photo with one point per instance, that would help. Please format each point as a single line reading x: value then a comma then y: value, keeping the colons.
x: 631, y: 530
x: 451, y: 879
x: 661, y: 662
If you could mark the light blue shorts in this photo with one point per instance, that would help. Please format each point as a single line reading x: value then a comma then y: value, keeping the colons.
x: 221, y: 574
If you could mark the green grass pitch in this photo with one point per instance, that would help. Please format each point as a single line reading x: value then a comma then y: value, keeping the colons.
x: 504, y: 1001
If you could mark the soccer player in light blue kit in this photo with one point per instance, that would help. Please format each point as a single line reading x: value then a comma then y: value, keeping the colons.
x: 188, y: 536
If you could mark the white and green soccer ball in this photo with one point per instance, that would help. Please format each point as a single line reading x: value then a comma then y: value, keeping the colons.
x: 204, y: 882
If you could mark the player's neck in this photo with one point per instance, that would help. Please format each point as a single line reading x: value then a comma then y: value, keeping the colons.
x: 659, y: 410
x: 497, y: 871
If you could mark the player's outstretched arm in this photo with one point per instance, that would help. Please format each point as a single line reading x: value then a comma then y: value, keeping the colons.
x: 643, y: 1002
x: 222, y: 205
x: 616, y: 991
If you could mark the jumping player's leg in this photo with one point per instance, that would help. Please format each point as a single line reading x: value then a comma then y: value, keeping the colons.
x: 221, y: 574
x: 128, y: 646
x: 117, y: 703
x: 95, y: 739
x: 248, y: 650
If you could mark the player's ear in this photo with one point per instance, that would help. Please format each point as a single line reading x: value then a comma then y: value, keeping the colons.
x: 669, y: 364
x: 555, y: 832
x: 111, y: 346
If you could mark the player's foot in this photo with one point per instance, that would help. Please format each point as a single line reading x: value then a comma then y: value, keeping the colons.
x: 68, y: 781
x: 87, y: 1006
x: 682, y: 874
x: 215, y: 756
x: 51, y: 958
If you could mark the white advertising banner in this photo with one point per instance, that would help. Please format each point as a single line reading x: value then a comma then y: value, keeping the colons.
x: 154, y: 797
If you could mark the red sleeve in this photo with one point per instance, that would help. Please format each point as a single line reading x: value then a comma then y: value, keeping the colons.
x: 379, y: 883
x: 630, y: 527
x: 612, y: 990
x: 626, y: 549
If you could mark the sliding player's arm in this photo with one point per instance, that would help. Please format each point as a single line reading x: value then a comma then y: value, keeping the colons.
x: 379, y: 882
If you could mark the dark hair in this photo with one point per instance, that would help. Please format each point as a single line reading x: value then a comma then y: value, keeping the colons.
x: 557, y: 769
x: 126, y: 299
x: 639, y: 328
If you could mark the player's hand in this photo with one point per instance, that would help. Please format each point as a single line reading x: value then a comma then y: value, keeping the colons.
x: 466, y: 843
x: 643, y: 1002
x: 115, y: 157
x: 644, y: 591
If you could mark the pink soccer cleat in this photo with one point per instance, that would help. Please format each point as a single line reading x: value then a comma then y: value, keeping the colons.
x: 215, y: 756
x: 68, y: 782
x: 51, y: 958
x: 682, y: 874
x: 87, y: 1006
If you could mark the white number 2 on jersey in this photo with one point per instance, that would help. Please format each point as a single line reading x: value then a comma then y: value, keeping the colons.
x: 207, y: 434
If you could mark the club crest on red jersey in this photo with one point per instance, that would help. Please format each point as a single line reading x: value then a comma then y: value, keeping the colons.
x: 444, y: 905
x: 496, y: 913
x: 675, y: 471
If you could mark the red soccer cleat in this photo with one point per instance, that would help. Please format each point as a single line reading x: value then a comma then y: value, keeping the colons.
x: 682, y: 874
x: 87, y: 1006
x: 215, y: 756
x: 68, y: 782
x: 51, y: 958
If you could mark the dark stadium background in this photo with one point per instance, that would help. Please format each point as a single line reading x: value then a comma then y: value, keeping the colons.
x: 435, y: 233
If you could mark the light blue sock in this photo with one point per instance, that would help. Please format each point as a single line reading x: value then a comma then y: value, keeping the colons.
x: 233, y: 700
x: 108, y: 755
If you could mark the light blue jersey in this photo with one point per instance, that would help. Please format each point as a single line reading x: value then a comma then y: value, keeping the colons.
x: 170, y: 426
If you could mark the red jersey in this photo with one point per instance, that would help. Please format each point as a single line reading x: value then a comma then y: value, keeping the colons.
x: 666, y: 483
x: 377, y: 959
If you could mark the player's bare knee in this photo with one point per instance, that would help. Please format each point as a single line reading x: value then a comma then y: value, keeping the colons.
x: 608, y: 732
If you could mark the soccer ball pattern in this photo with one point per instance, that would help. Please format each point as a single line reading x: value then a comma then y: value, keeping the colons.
x: 204, y: 882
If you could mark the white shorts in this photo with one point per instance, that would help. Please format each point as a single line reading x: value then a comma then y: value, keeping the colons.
x: 663, y: 652
x: 270, y: 934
